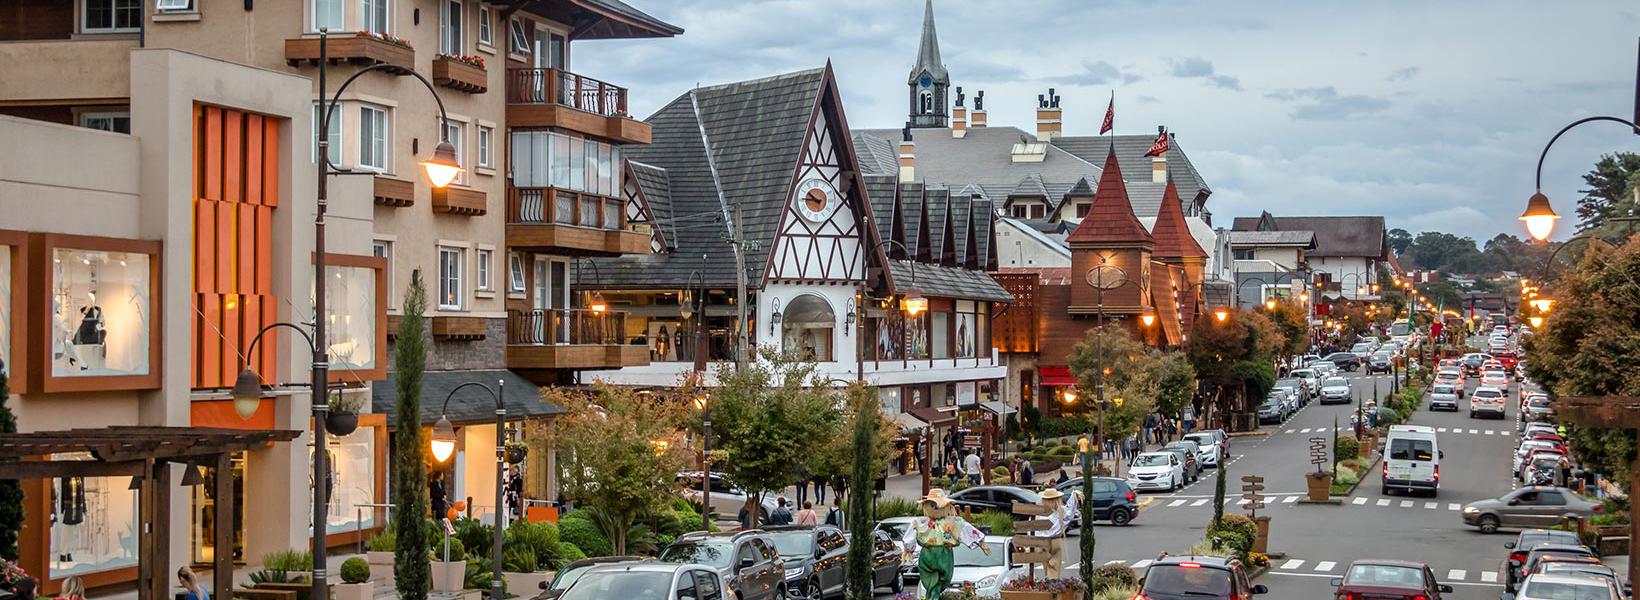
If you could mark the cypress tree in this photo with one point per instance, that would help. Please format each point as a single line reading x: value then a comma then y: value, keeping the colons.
x: 11, y: 491
x: 1218, y: 492
x: 411, y: 569
x: 867, y: 418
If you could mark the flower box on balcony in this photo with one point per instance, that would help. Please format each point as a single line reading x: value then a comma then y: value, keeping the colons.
x: 462, y: 73
x: 460, y: 201
x: 362, y: 47
x: 393, y: 192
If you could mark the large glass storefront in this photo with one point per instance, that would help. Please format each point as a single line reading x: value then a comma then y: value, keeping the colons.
x: 352, y: 481
x: 202, y: 532
x: 93, y: 523
x: 100, y: 313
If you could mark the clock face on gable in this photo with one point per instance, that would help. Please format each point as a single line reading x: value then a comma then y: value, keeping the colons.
x: 816, y: 199
x: 926, y: 80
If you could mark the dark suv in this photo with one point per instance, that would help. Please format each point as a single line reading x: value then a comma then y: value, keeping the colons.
x: 814, y: 558
x: 746, y: 560
x: 1197, y: 577
x: 1346, y: 361
x: 1113, y: 500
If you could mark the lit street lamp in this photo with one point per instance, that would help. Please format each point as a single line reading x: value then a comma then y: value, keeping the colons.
x: 443, y: 445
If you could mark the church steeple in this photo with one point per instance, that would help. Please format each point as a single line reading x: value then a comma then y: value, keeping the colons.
x: 929, y: 79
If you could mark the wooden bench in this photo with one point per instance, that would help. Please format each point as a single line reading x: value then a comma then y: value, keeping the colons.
x: 263, y: 594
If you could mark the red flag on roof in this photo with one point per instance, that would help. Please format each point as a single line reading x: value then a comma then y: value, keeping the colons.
x: 1159, y: 147
x: 1110, y: 116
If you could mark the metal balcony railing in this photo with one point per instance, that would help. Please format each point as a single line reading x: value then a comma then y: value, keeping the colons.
x: 556, y: 326
x: 563, y: 88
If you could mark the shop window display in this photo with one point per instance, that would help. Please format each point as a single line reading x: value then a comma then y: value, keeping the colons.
x: 352, y: 481
x: 203, y: 529
x: 100, y: 313
x: 350, y: 307
x: 93, y: 523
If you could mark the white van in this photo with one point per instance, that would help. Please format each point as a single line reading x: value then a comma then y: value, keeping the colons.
x: 1412, y: 460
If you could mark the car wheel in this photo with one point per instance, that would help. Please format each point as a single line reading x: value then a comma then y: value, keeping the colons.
x: 898, y: 585
x: 1489, y: 524
x: 812, y: 591
x: 1120, y: 517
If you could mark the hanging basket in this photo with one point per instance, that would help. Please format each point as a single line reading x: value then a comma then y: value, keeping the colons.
x: 516, y: 454
x: 341, y: 423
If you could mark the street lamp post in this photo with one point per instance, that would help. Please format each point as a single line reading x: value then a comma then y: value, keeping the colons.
x: 441, y: 169
x: 443, y: 445
x: 913, y: 304
x: 705, y: 406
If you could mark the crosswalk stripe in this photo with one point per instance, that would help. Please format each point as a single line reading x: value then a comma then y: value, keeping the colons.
x: 1472, y: 432
x: 1431, y: 505
x: 1454, y: 506
x: 1304, y: 430
x: 1289, y: 500
x: 1142, y: 564
x: 1383, y: 502
x: 1199, y: 502
x: 1291, y: 431
x: 1489, y: 576
x: 1406, y: 504
x: 1176, y: 503
x: 1325, y: 566
x: 1114, y: 562
x: 1456, y: 575
x: 1293, y: 564
x: 1242, y: 501
x: 1488, y: 432
x: 1361, y: 500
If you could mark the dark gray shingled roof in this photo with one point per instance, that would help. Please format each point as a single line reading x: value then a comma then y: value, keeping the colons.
x: 627, y: 11
x: 984, y: 157
x: 1334, y: 236
x: 877, y: 155
x: 949, y: 282
x: 880, y: 190
x: 657, y: 191
x: 933, y: 279
x: 1130, y: 156
x: 523, y: 399
x: 1272, y: 238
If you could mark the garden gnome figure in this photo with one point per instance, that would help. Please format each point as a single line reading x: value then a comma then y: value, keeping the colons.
x: 1054, y: 501
x: 938, y: 532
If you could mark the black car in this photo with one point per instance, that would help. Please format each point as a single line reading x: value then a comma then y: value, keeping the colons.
x: 746, y: 560
x: 1525, y: 542
x: 1112, y: 501
x: 1380, y: 363
x: 995, y: 497
x: 1195, y: 578
x: 815, y: 558
x: 1346, y: 361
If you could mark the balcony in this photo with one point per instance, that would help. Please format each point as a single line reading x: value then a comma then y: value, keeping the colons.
x: 558, y: 98
x: 570, y: 223
x: 570, y: 339
x: 361, y: 49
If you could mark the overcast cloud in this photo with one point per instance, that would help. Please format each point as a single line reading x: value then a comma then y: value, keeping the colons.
x: 1430, y: 113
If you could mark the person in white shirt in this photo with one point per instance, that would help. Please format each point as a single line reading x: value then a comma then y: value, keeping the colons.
x: 971, y: 466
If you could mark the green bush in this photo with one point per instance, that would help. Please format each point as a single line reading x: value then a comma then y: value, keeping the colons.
x: 383, y: 541
x: 1111, y: 576
x: 580, y: 532
x: 519, y: 559
x: 1001, y: 523
x: 1346, y: 447
x: 539, y: 539
x: 1000, y: 475
x: 1235, y: 533
x: 1050, y: 443
x: 1117, y: 593
x: 568, y: 553
x: 476, y: 537
x: 897, y: 507
x: 458, y: 551
x: 288, y: 561
x: 1347, y: 476
x: 687, y: 522
x: 478, y: 575
x: 355, y: 570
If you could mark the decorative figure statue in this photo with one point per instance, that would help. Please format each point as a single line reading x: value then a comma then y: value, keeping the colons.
x: 938, y: 532
x: 1059, y: 515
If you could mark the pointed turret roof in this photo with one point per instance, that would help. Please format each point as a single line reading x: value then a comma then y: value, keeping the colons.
x: 1111, y: 218
x: 1173, y: 239
x: 928, y: 51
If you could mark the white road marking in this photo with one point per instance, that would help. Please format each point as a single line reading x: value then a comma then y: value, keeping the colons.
x: 1361, y: 500
x: 1489, y: 576
x: 1325, y: 566
x: 1199, y: 502
x: 1472, y: 432
x: 1406, y: 504
x: 1142, y: 564
x: 1304, y: 430
x: 1454, y: 506
x: 1431, y: 505
x: 1488, y: 432
x: 1293, y: 564
x: 1383, y: 502
x: 1176, y: 503
x: 1456, y: 574
x: 1115, y: 562
x: 1242, y: 501
x: 1289, y: 500
x: 1291, y: 431
x: 1440, y: 430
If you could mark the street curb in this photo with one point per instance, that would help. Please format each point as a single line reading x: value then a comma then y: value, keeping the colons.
x: 1333, y: 501
x: 1247, y: 434
x: 1258, y: 572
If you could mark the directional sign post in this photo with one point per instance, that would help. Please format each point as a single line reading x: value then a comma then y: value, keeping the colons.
x: 1251, y: 485
x: 1029, y: 549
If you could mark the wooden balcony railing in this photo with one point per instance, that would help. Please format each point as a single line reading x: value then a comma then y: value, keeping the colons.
x: 556, y: 326
x: 563, y: 88
x: 553, y: 206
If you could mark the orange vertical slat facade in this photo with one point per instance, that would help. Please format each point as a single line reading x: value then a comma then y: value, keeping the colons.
x: 232, y: 346
x: 270, y: 162
x: 269, y: 346
x: 213, y: 154
x: 210, y: 322
x: 253, y: 159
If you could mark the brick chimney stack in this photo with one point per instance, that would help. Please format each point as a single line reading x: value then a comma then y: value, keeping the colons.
x: 908, y: 155
x: 1048, y: 122
x: 1158, y: 164
x: 976, y: 119
x: 959, y: 117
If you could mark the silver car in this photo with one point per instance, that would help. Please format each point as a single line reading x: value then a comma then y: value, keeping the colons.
x: 1335, y: 390
x: 1533, y: 506
x: 1443, y: 397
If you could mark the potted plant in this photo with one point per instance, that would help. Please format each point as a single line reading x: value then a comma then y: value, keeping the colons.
x: 355, y: 580
x: 380, y: 555
x: 517, y: 451
x: 1068, y: 588
x: 449, y: 570
x: 1320, y: 485
x: 343, y: 418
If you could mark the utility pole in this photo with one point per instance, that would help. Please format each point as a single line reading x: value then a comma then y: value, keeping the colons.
x: 742, y: 331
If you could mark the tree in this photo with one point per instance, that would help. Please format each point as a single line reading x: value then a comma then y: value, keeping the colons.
x: 1443, y: 251
x: 1293, y: 321
x: 1177, y: 384
x: 11, y: 490
x: 835, y: 461
x: 1236, y: 358
x: 1608, y: 191
x: 619, y: 453
x: 411, y: 571
x: 765, y: 420
x: 1220, y: 474
x: 1399, y: 240
x: 870, y: 461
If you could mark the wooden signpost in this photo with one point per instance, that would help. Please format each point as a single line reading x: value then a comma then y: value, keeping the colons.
x: 1029, y: 549
x: 1250, y: 488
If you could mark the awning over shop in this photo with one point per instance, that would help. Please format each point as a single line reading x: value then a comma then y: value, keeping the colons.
x: 1057, y: 376
x: 909, y: 422
x: 1002, y: 409
x: 937, y: 417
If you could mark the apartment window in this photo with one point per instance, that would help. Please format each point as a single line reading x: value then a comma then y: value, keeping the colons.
x: 174, y: 6
x: 567, y: 162
x: 517, y: 41
x: 484, y: 35
x: 449, y: 38
x: 1082, y: 209
x: 515, y: 273
x: 1019, y: 212
x: 335, y: 137
x: 455, y: 132
x: 384, y: 249
x: 485, y: 283
x: 327, y: 14
x: 118, y: 122
x: 372, y: 138
x: 485, y: 137
x: 1244, y: 254
x: 374, y: 13
x: 110, y: 16
x: 450, y: 263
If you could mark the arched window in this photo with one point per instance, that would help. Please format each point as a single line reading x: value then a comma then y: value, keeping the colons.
x: 926, y: 102
x: 806, y: 327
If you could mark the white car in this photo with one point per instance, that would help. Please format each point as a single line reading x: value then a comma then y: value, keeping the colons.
x: 1324, y: 368
x: 1310, y: 377
x: 1335, y: 390
x: 986, y: 572
x: 1525, y: 449
x: 727, y: 500
x: 1443, y: 396
x: 1214, y: 440
x: 1487, y: 400
x: 903, y: 530
x: 1495, y: 378
x: 1156, y: 471
x: 1557, y: 587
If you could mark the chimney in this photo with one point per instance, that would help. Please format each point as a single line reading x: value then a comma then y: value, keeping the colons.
x: 1158, y: 164
x: 1047, y: 116
x: 959, y: 117
x: 976, y: 120
x: 908, y: 155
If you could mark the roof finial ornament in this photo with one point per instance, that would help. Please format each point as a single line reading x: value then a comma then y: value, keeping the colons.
x: 959, y: 95
x: 979, y: 100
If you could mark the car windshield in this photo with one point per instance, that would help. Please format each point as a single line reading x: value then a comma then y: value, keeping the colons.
x: 1335, y: 382
x: 1151, y: 460
x: 1187, y: 579
x: 793, y: 543
x: 1386, y: 575
x: 1304, y: 373
x: 1410, y: 449
x: 963, y: 556
x: 715, y: 554
x: 1441, y: 389
x: 1361, y: 348
x: 896, y: 530
x: 1270, y: 402
x: 1556, y: 590
x: 1538, y: 403
x: 626, y: 585
x: 1399, y: 328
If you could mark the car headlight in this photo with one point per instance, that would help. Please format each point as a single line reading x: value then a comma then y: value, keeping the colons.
x: 988, y: 581
x: 791, y: 573
x: 1469, y: 510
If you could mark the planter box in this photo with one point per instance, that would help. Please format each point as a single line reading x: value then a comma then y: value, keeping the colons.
x: 525, y: 585
x: 448, y: 576
x: 1320, y: 487
x: 365, y: 50
x: 381, y: 567
x: 460, y: 76
x: 353, y: 591
x: 1613, y: 546
x: 1019, y: 595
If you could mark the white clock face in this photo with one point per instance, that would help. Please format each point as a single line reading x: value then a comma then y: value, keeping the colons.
x: 816, y: 199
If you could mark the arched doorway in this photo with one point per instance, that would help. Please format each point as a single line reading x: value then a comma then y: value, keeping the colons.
x: 806, y: 327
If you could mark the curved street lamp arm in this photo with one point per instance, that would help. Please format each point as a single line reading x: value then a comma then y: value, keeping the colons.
x: 493, y: 396
x: 1549, y: 263
x: 330, y: 107
x: 1563, y: 130
x: 252, y: 347
x: 912, y: 262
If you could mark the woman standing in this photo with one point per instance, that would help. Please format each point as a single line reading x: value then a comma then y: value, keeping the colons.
x: 190, y: 585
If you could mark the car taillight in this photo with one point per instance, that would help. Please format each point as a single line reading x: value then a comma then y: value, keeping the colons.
x: 1599, y: 507
x: 1420, y: 597
x: 1130, y: 497
x: 1140, y: 596
x: 1386, y: 468
x: 1517, y: 557
x: 1437, y: 471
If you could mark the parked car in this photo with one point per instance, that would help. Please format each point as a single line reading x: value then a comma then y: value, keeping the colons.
x: 1311, y: 379
x: 903, y: 532
x: 1538, y: 409
x: 1549, y: 552
x: 994, y: 497
x: 649, y: 580
x: 1556, y: 587
x: 1288, y: 401
x: 987, y: 573
x: 1201, y: 453
x: 727, y: 500
x: 1186, y: 451
x: 1487, y: 401
x: 814, y: 558
x: 1533, y: 506
x: 1380, y: 362
x: 1272, y: 412
x: 1296, y: 388
x: 1335, y: 390
x: 1532, y: 458
x: 744, y: 559
x: 573, y: 571
x: 1525, y: 542
x: 1525, y: 449
x: 1344, y: 360
x: 1197, y: 578
x: 1113, y: 500
x: 1443, y: 396
x: 1215, y: 438
x: 1363, y: 350
x: 1156, y: 471
x: 1583, y: 568
x: 1389, y: 579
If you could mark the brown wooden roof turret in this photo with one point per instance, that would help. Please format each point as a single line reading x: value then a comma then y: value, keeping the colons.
x: 1111, y: 217
x: 1172, y: 234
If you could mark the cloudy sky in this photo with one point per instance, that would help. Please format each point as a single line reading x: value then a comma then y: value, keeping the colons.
x: 1429, y: 113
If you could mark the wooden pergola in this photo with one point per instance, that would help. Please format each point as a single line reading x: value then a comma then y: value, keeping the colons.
x: 1614, y: 412
x: 145, y: 453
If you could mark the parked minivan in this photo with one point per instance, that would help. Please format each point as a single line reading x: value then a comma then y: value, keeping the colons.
x: 1412, y: 460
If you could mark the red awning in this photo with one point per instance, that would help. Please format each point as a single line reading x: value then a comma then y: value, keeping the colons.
x: 1057, y: 376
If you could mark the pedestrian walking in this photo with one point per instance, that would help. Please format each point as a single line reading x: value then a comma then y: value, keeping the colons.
x: 951, y: 473
x: 802, y: 486
x: 781, y: 514
x: 971, y: 466
x: 806, y: 517
x: 190, y: 585
x: 820, y: 490
x: 1027, y: 475
x: 834, y: 517
x: 1189, y: 416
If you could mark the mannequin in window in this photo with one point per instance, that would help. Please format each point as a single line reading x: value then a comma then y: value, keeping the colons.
x: 63, y: 340
x: 91, y: 330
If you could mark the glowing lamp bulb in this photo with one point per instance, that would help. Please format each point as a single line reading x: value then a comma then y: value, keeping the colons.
x: 1539, y: 217
x: 444, y: 440
x: 443, y: 167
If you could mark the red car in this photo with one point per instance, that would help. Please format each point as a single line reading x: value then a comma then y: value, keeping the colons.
x: 1389, y: 579
x: 1508, y: 359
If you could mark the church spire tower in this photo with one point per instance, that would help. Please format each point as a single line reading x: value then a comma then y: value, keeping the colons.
x: 929, y: 80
